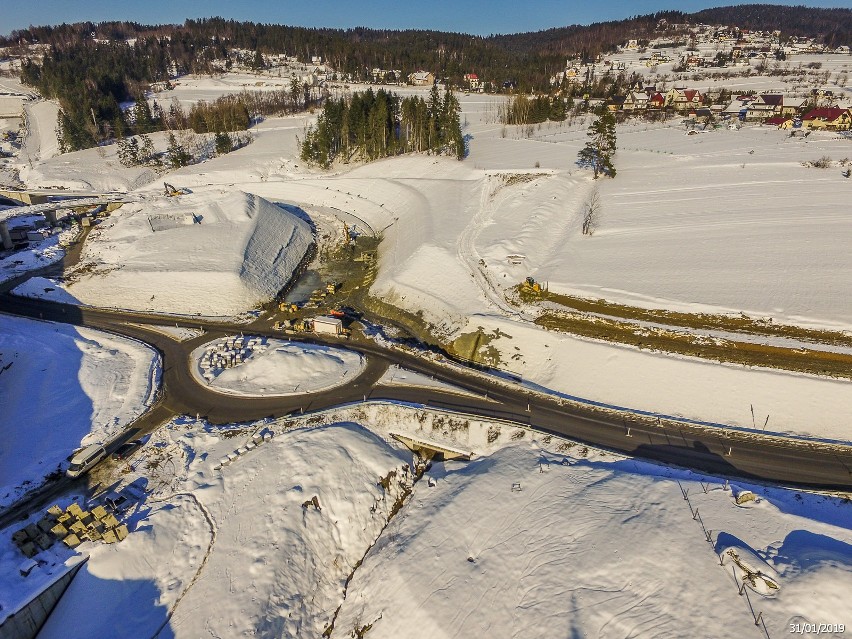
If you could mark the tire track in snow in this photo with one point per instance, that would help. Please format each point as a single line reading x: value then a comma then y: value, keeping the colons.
x: 470, y: 257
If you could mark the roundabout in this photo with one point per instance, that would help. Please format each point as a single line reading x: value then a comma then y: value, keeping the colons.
x: 258, y: 366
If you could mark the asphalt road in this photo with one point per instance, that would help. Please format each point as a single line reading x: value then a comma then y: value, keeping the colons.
x: 712, y: 450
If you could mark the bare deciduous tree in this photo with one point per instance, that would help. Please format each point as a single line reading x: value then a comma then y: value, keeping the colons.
x: 591, y: 208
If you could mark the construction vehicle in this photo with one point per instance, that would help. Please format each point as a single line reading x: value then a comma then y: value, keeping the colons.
x: 530, y: 283
x: 172, y: 191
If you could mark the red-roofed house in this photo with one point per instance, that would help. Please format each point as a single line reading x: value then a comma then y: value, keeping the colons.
x: 780, y: 122
x: 472, y: 81
x: 684, y: 99
x: 657, y: 101
x: 829, y: 119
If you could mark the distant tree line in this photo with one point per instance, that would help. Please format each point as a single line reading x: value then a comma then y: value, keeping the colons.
x: 92, y: 79
x: 371, y: 125
x: 93, y: 67
x: 521, y: 109
x: 527, y: 58
x: 833, y: 27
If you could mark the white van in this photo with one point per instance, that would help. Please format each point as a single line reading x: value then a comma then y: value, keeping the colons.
x: 85, y: 459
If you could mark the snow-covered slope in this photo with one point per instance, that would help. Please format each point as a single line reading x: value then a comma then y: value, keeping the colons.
x: 595, y: 548
x: 214, y: 253
x: 62, y: 387
x: 536, y: 537
x: 245, y: 552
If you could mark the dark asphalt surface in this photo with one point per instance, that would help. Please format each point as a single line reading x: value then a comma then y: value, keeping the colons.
x: 712, y: 450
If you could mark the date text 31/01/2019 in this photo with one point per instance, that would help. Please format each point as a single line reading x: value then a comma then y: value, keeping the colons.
x: 816, y: 628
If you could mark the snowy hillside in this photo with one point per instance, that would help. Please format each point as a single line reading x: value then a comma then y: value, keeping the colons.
x: 535, y: 537
x: 578, y: 552
x: 249, y: 551
x: 64, y: 387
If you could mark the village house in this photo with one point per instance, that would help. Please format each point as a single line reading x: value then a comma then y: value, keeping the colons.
x: 636, y: 101
x: 765, y: 106
x: 792, y: 106
x: 473, y: 82
x: 738, y: 107
x: 421, y: 78
x: 385, y: 76
x: 615, y: 103
x: 657, y: 101
x: 684, y: 99
x: 828, y: 119
x: 779, y: 121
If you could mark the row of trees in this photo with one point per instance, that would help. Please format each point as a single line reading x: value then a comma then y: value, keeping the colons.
x: 77, y: 129
x: 521, y: 109
x: 184, y: 148
x: 92, y: 79
x: 370, y: 125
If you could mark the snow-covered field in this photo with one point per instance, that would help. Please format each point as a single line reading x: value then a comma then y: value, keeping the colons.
x: 578, y: 551
x: 534, y: 537
x: 64, y: 387
x: 263, y: 367
x: 217, y: 253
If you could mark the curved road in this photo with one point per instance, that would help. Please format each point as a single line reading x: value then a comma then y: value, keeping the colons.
x: 713, y: 450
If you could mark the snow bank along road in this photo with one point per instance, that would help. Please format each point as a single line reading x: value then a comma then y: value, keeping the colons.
x: 713, y: 450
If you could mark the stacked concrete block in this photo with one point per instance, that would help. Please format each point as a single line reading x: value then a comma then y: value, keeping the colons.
x: 72, y: 526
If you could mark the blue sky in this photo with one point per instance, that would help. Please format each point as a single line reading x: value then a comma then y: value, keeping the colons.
x: 469, y: 16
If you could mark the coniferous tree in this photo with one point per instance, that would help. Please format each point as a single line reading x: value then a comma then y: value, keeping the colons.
x: 601, y: 144
x: 178, y: 156
x: 146, y: 149
x: 223, y: 143
x: 128, y: 152
x: 452, y: 125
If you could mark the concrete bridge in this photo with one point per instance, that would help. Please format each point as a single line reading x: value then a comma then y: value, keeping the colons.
x: 46, y: 203
x: 428, y: 449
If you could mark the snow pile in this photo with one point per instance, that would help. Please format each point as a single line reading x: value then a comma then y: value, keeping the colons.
x: 62, y: 388
x: 264, y: 548
x: 240, y: 252
x: 263, y: 367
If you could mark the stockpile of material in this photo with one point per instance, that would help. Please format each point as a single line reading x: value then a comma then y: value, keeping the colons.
x: 72, y: 527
